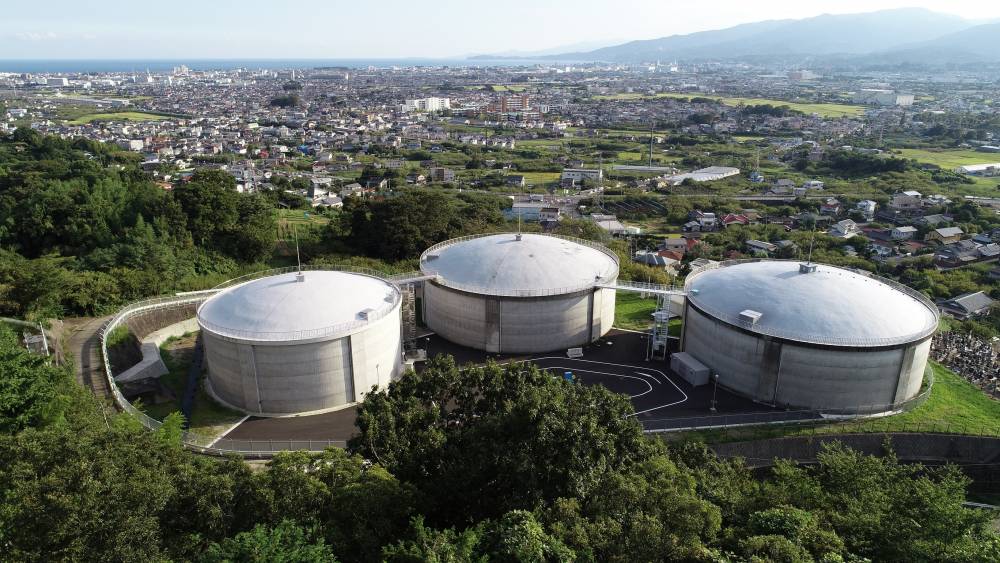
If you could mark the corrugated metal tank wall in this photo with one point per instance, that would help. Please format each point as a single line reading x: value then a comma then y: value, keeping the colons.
x: 518, y: 324
x: 283, y: 378
x: 797, y: 375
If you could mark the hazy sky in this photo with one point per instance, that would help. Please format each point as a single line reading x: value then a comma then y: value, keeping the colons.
x: 130, y: 29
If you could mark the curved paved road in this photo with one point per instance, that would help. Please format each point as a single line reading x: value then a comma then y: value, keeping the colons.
x: 82, y: 337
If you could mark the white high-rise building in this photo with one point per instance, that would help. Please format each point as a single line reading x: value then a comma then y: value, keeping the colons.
x: 426, y: 104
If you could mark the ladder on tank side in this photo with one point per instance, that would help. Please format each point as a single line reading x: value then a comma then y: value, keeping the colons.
x: 408, y: 311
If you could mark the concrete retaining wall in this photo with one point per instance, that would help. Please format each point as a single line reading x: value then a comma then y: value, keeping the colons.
x: 145, y: 324
x: 152, y: 364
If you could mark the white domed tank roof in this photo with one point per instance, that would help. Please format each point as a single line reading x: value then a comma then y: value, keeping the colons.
x: 324, y: 304
x: 523, y: 265
x: 812, y: 303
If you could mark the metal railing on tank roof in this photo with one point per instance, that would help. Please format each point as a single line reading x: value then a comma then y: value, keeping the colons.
x: 519, y: 292
x: 733, y: 317
x: 341, y: 328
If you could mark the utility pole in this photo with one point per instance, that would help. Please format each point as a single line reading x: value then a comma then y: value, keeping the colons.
x: 652, y: 123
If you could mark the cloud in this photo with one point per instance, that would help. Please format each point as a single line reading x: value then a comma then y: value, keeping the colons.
x: 36, y: 36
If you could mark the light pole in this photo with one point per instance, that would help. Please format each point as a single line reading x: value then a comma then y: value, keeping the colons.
x: 715, y: 389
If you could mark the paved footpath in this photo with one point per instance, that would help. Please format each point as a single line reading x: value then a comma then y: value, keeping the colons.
x: 83, y: 340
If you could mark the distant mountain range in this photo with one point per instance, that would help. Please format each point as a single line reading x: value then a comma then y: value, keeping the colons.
x: 574, y: 47
x: 906, y: 35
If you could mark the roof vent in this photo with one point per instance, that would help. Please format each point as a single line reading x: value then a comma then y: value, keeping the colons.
x: 517, y: 236
x: 430, y: 257
x: 750, y: 316
x: 366, y: 314
x: 807, y: 268
x: 300, y: 277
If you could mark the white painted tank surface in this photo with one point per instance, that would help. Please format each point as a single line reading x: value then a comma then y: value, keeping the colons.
x: 519, y: 293
x: 294, y: 343
x: 810, y: 336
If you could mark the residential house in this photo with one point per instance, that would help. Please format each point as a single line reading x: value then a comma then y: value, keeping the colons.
x: 759, y: 247
x: 906, y: 202
x: 515, y: 180
x: 932, y: 221
x: 332, y: 202
x: 831, y: 206
x: 549, y: 214
x: 679, y: 245
x: 967, y: 305
x: 701, y: 221
x: 441, y: 174
x: 905, y: 232
x: 813, y: 185
x: 657, y: 260
x: 945, y: 235
x: 731, y: 219
x: 844, y: 229
x: 866, y: 208
x: 965, y: 252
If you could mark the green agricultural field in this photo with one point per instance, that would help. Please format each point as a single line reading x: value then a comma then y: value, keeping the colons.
x: 824, y: 110
x: 503, y: 88
x: 117, y: 116
x: 627, y: 156
x: 539, y: 178
x: 288, y: 217
x: 745, y: 138
x: 949, y: 159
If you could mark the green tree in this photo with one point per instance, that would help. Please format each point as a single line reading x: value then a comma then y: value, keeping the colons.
x: 285, y: 543
x: 483, y: 441
x: 33, y: 392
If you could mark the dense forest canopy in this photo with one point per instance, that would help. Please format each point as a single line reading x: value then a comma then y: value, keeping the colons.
x: 499, y: 463
x: 82, y: 228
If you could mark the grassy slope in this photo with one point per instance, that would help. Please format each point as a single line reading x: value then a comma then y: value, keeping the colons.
x: 954, y: 406
x: 208, y: 417
x: 632, y: 312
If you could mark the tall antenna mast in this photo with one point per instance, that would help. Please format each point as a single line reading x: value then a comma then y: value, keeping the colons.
x: 809, y: 267
x: 298, y: 259
x: 652, y: 124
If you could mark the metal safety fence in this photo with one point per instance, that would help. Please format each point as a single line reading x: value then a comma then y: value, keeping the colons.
x: 858, y: 416
x: 734, y: 318
x: 192, y: 439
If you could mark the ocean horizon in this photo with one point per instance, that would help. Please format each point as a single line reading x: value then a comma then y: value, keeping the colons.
x: 161, y: 65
